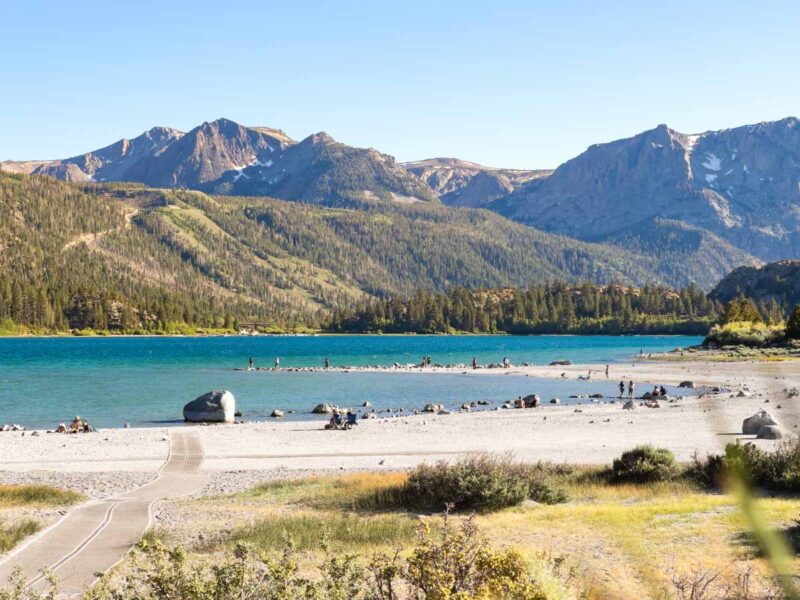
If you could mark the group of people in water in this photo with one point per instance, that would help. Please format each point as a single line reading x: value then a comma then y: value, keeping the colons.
x: 658, y: 390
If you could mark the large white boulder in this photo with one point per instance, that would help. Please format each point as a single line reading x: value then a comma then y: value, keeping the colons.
x: 752, y: 425
x: 218, y: 406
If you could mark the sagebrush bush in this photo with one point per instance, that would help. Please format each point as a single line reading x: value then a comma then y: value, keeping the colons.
x: 480, y: 482
x: 644, y: 464
x: 777, y: 470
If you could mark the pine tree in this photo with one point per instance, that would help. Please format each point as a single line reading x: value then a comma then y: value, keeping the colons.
x: 793, y: 324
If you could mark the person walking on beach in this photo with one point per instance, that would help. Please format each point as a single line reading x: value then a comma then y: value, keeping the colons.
x: 631, y: 388
x: 621, y: 389
x: 251, y: 363
x: 474, y: 363
x: 327, y: 364
x: 606, y: 371
x: 277, y: 362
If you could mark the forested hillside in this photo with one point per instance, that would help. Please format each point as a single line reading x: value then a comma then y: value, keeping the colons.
x: 123, y: 257
x: 552, y: 308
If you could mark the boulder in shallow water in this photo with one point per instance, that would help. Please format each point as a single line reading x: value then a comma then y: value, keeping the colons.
x: 555, y: 401
x: 323, y: 409
x: 276, y: 414
x: 752, y: 425
x: 434, y: 408
x: 686, y: 384
x: 218, y: 406
x: 532, y: 401
x: 561, y: 363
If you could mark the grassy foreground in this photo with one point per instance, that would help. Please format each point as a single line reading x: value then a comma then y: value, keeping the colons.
x: 609, y: 540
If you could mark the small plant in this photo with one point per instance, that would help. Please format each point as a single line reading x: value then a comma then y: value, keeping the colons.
x: 644, y: 464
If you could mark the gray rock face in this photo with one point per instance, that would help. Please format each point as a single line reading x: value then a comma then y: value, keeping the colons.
x: 739, y: 184
x: 323, y: 409
x: 462, y: 183
x: 752, y: 425
x: 218, y: 406
x: 433, y: 408
x: 686, y: 384
x: 225, y: 157
x: 629, y: 405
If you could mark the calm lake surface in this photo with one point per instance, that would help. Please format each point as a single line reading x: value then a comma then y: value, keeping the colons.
x: 146, y: 381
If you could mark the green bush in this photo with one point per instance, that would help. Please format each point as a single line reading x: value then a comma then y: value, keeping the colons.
x: 480, y: 482
x: 644, y: 464
x: 778, y: 470
x: 744, y: 334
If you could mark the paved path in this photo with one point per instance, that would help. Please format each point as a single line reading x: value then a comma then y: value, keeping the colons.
x: 97, y: 535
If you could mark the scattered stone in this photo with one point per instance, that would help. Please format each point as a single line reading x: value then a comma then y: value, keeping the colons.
x: 434, y: 408
x: 218, y: 406
x: 686, y: 384
x: 367, y: 404
x: 561, y: 363
x: 323, y: 409
x: 276, y: 414
x: 555, y: 401
x: 629, y: 405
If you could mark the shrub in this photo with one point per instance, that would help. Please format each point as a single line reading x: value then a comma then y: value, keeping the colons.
x: 451, y: 563
x: 744, y: 334
x: 778, y: 470
x: 481, y: 482
x: 644, y: 464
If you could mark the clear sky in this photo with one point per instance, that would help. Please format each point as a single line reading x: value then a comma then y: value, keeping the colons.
x: 516, y: 84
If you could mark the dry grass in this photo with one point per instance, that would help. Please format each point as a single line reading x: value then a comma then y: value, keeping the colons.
x: 11, y: 535
x: 35, y: 495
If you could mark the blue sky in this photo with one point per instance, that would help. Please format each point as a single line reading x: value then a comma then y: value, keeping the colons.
x: 516, y: 84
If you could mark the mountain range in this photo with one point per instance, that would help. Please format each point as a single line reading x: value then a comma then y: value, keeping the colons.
x: 685, y: 207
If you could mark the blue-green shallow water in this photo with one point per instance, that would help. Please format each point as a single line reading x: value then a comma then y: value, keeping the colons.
x: 146, y: 381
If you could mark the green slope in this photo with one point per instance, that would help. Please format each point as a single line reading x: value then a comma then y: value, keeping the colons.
x: 125, y: 256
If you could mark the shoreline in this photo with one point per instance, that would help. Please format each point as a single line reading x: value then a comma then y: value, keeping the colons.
x: 589, y: 433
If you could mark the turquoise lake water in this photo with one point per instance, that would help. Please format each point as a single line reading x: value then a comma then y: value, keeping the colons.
x: 146, y: 381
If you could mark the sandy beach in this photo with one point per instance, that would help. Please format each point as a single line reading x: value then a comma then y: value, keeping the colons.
x: 593, y: 432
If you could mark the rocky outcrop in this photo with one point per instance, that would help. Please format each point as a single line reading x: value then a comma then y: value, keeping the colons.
x: 739, y: 184
x: 467, y: 184
x: 218, y: 406
x: 323, y: 409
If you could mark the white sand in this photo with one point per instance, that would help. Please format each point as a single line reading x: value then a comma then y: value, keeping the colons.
x: 550, y: 433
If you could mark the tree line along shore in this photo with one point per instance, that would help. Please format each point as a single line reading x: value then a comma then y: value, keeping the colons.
x: 554, y: 308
